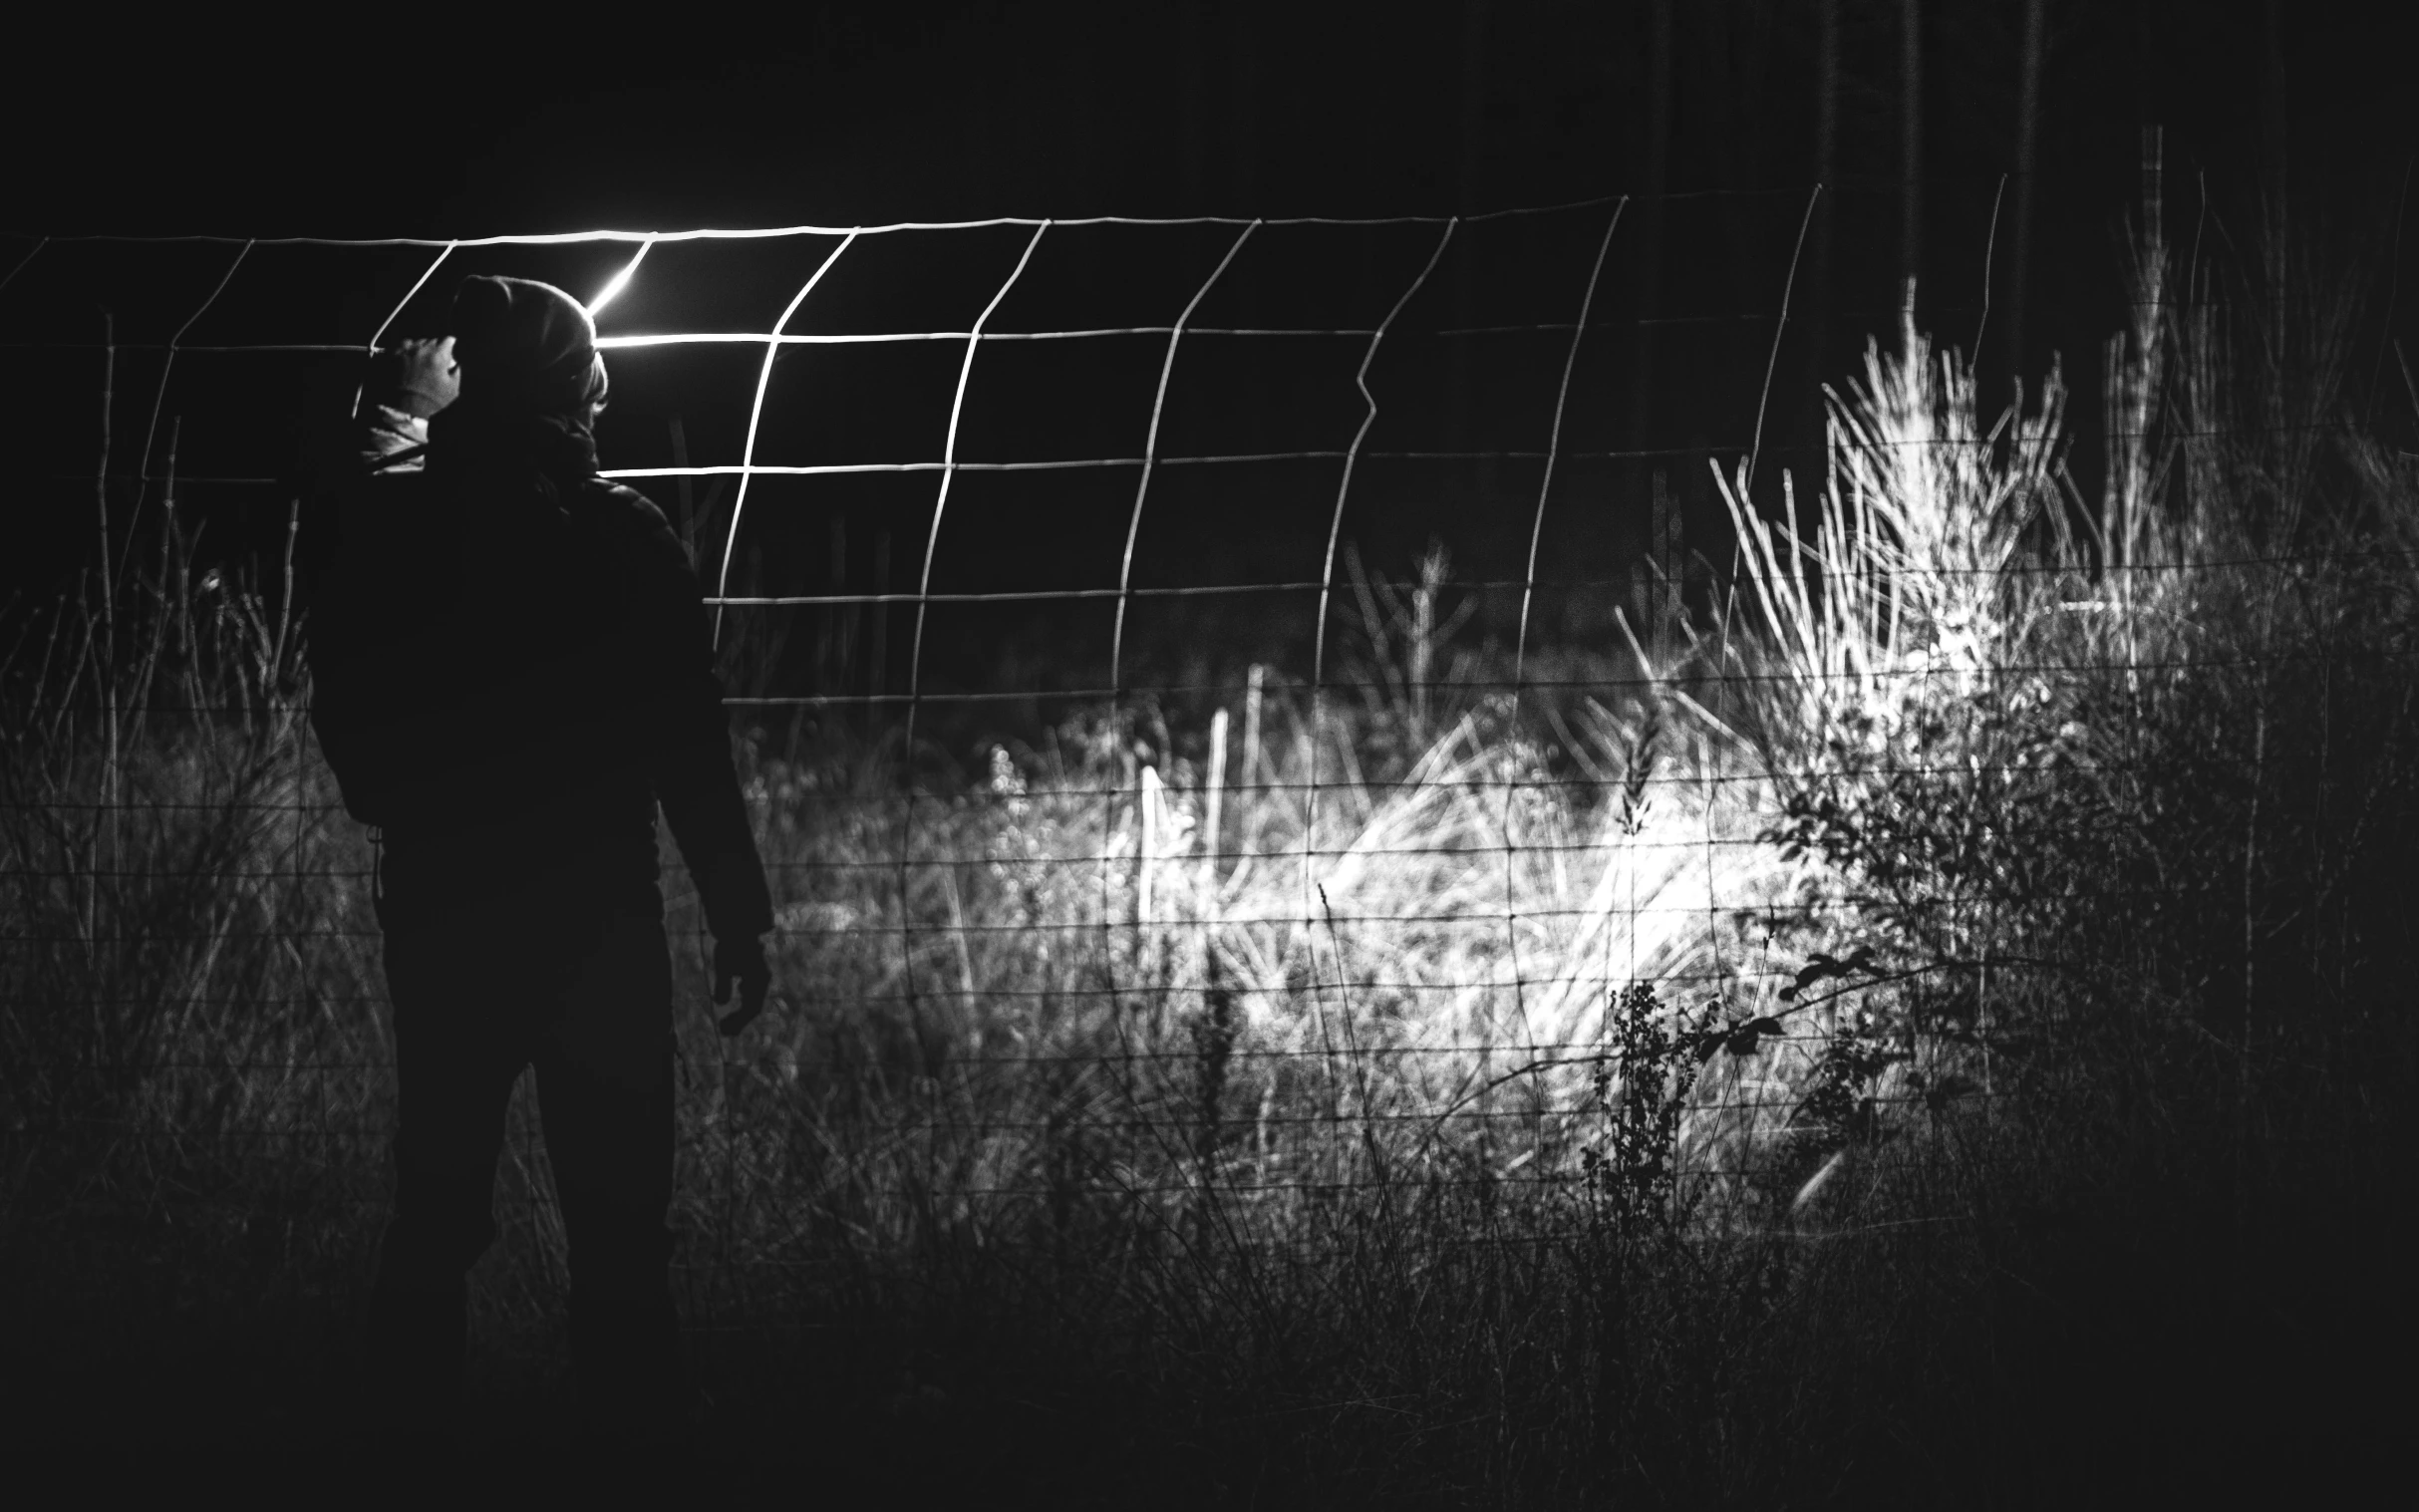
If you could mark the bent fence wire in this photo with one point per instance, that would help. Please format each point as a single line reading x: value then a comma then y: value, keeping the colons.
x: 1426, y: 735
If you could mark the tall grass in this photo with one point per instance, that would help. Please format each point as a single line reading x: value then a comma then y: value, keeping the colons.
x: 1894, y: 1029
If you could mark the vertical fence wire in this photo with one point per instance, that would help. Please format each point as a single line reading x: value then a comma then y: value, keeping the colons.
x: 755, y: 417
x: 1314, y: 897
x: 1513, y: 779
x: 915, y: 659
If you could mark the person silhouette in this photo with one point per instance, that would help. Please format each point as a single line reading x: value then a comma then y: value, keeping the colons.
x: 512, y: 672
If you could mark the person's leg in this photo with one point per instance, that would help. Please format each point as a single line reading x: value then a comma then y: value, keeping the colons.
x: 457, y: 1058
x: 605, y: 1088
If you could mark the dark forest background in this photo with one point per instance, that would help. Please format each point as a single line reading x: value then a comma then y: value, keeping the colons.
x: 386, y: 121
x: 380, y: 122
x: 1995, y: 153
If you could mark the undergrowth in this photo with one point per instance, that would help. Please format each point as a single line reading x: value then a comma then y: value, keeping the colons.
x: 1937, y: 1036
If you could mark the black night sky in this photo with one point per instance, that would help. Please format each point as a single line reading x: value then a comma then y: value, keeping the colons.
x: 371, y: 122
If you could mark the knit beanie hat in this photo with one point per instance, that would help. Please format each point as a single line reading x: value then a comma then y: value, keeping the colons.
x: 524, y: 347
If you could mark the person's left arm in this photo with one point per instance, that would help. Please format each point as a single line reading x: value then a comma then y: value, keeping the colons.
x: 691, y: 768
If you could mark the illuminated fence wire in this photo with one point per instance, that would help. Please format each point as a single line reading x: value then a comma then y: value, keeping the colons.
x: 1377, y: 957
x: 1611, y: 684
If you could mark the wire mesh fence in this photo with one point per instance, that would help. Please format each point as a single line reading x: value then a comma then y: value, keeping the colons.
x: 1250, y: 726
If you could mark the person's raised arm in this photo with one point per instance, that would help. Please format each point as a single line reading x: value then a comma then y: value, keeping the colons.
x: 350, y: 567
x: 404, y: 385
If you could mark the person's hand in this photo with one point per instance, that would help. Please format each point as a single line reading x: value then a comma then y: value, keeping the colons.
x: 741, y: 961
x: 419, y: 377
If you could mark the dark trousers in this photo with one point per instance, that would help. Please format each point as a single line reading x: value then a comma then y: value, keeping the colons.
x: 573, y: 979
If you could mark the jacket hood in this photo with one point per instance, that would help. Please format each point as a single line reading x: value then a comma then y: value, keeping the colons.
x: 526, y: 347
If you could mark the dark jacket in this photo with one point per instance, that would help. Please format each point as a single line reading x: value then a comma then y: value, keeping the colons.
x: 512, y: 668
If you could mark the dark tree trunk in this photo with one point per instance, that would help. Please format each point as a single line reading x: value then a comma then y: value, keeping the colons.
x: 2027, y: 148
x: 1246, y: 39
x: 1644, y: 220
x: 1473, y: 100
x: 1817, y: 285
x: 1650, y: 219
x: 878, y: 674
x: 1196, y: 108
x: 1911, y: 148
x: 1735, y: 48
x: 1472, y: 148
x: 2273, y: 160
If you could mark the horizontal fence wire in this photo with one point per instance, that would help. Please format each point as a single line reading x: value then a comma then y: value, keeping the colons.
x: 1077, y: 463
x: 1474, y: 917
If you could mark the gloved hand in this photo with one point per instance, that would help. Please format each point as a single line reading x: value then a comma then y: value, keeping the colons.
x: 741, y: 961
x: 419, y: 377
